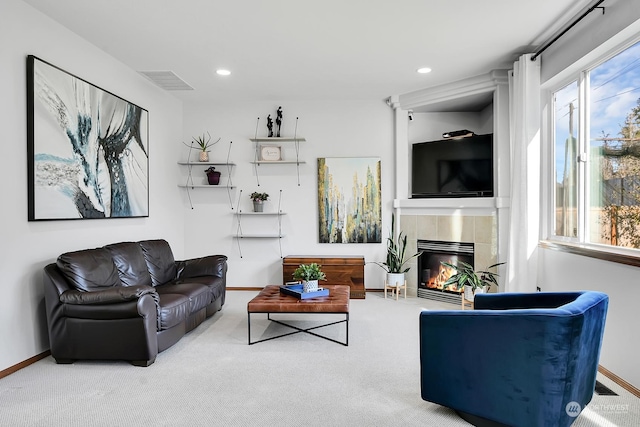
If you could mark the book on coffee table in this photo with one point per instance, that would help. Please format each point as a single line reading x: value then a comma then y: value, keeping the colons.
x: 297, y: 291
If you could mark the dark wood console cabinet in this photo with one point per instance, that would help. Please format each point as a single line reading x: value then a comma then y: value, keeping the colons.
x: 340, y: 270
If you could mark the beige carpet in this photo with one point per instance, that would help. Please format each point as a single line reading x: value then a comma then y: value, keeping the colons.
x: 213, y: 378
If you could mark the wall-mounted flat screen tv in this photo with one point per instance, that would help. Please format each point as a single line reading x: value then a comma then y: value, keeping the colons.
x: 453, y: 167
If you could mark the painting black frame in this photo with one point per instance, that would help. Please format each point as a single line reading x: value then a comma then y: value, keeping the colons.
x: 87, y: 149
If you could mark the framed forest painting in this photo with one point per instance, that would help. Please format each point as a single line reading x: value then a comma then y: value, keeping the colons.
x: 88, y: 149
x: 349, y: 200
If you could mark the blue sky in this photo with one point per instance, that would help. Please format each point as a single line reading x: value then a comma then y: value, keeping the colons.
x: 614, y: 91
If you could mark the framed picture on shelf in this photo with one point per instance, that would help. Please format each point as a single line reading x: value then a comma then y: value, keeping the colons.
x: 87, y: 149
x: 270, y: 153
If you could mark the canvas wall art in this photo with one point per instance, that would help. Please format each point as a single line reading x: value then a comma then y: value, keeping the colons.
x: 88, y: 149
x: 349, y: 200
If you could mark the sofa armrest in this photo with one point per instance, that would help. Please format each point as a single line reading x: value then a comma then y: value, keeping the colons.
x: 113, y: 295
x: 212, y: 265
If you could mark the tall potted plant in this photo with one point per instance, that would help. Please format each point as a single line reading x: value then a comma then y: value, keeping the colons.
x: 309, y: 274
x: 395, y: 264
x: 471, y: 281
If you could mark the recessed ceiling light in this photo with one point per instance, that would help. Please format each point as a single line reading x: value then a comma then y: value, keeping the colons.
x: 424, y: 70
x: 222, y: 72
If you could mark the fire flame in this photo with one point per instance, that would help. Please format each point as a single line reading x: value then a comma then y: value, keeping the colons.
x: 438, y: 281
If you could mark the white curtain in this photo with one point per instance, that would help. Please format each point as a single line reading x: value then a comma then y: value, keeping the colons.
x: 524, y: 123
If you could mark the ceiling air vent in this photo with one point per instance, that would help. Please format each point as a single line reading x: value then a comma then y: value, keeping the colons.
x: 167, y: 80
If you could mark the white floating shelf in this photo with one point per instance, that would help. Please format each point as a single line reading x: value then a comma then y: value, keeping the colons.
x: 281, y: 139
x: 279, y: 162
x: 260, y: 213
x: 205, y: 186
x: 259, y: 236
x: 206, y: 163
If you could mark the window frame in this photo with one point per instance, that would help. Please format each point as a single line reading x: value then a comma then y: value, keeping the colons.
x: 577, y: 72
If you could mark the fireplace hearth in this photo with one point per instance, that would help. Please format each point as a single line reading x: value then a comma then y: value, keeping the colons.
x: 432, y: 274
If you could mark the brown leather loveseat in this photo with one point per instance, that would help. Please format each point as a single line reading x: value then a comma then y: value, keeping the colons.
x: 128, y: 301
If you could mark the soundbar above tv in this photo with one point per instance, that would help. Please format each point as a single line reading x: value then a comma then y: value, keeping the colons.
x: 461, y: 167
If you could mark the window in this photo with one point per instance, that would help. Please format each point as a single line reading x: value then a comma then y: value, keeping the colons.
x: 596, y: 132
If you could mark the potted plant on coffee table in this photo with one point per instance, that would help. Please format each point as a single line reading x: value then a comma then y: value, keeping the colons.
x: 309, y: 274
x: 395, y: 264
x: 471, y: 281
x: 258, y: 200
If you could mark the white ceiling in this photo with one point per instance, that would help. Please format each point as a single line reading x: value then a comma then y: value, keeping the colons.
x: 312, y: 50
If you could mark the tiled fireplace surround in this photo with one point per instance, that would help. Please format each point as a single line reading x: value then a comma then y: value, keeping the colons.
x: 481, y: 230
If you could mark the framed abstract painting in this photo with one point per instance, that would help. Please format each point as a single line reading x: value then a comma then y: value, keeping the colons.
x: 88, y: 149
x: 349, y: 200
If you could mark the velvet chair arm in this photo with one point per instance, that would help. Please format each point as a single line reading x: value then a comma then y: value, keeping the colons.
x: 213, y: 265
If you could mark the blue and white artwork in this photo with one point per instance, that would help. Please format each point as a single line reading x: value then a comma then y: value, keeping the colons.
x: 88, y: 149
x: 349, y: 200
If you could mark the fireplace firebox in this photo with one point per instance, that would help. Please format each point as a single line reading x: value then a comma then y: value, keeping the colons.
x: 432, y: 274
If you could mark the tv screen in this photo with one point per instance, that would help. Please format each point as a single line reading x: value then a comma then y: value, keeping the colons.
x: 453, y: 168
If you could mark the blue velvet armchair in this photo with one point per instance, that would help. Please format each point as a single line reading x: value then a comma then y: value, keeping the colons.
x: 516, y: 359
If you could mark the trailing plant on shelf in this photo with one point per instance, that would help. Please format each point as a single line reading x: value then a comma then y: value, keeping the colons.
x: 259, y: 197
x: 465, y: 275
x: 396, y: 252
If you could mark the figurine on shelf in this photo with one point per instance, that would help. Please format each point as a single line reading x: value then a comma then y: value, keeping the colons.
x: 278, y: 121
x: 270, y: 125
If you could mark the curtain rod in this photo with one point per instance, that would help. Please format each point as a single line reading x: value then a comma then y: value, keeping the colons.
x: 564, y: 31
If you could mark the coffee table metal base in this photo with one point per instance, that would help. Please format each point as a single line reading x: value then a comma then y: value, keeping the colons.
x: 299, y: 330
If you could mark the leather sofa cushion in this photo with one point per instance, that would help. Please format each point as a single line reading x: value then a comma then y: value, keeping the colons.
x: 215, y: 284
x: 130, y: 262
x: 174, y: 308
x: 198, y: 294
x: 160, y: 261
x: 89, y: 269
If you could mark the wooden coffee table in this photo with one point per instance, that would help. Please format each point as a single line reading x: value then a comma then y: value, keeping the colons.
x: 271, y: 301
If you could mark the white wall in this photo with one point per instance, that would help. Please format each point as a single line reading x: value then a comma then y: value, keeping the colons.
x: 27, y: 246
x: 431, y: 126
x: 339, y: 129
x: 562, y: 271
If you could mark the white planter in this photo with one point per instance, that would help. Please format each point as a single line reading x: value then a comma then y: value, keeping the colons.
x: 309, y: 285
x: 468, y: 293
x: 395, y: 279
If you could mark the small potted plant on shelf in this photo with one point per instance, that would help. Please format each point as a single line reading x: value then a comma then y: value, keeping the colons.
x: 213, y: 176
x: 396, y: 257
x: 204, y: 144
x: 309, y: 274
x: 470, y: 281
x: 258, y: 200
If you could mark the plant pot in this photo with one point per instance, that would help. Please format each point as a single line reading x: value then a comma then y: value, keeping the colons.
x: 258, y: 205
x: 395, y: 279
x: 309, y: 285
x: 468, y: 293
x: 204, y: 156
x: 213, y: 176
